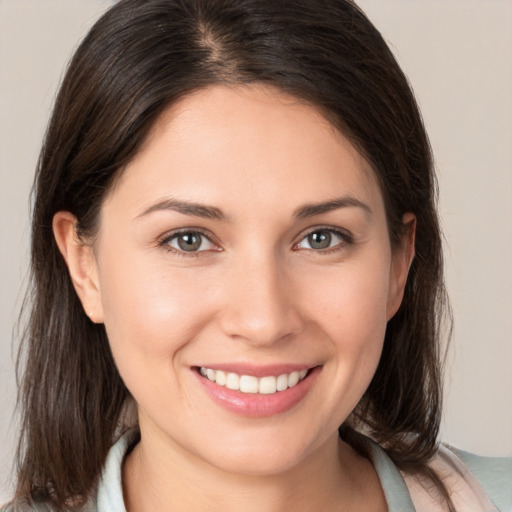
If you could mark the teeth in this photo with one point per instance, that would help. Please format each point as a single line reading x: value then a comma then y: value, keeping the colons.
x: 220, y: 378
x: 233, y: 381
x: 282, y: 382
x: 293, y: 378
x: 250, y: 384
x: 267, y: 385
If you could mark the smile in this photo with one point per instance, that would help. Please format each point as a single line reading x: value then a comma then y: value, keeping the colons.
x: 267, y: 385
x: 257, y: 392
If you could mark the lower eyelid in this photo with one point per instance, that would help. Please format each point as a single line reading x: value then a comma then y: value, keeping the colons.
x: 344, y: 238
x: 166, y: 241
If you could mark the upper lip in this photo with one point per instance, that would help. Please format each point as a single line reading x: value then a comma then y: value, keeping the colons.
x: 257, y: 370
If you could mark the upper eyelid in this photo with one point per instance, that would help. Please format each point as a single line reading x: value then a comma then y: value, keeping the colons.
x: 181, y: 231
x: 347, y: 240
x: 170, y: 235
x: 333, y: 229
x: 343, y: 233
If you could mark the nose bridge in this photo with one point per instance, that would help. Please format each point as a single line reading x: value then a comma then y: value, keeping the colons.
x: 259, y: 306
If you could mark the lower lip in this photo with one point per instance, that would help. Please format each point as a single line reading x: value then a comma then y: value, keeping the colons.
x: 255, y: 405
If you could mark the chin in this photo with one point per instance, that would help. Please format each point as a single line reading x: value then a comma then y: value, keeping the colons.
x: 269, y: 453
x: 260, y: 462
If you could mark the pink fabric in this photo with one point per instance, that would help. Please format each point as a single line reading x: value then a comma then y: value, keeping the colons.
x: 466, y: 493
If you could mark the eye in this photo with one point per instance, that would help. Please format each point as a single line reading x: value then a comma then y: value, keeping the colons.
x: 322, y: 239
x: 189, y: 241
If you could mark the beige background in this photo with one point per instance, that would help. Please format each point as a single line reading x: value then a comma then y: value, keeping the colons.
x: 458, y: 56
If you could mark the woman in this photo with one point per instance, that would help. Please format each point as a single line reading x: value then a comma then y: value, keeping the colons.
x: 235, y: 252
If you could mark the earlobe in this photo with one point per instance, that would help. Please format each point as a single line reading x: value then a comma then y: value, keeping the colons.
x: 403, y: 256
x: 81, y: 263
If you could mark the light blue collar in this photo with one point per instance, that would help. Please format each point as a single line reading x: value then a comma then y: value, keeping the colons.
x: 109, y: 496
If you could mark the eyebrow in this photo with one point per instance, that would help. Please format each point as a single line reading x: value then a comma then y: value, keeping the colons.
x: 186, y: 208
x: 214, y: 213
x: 310, y: 210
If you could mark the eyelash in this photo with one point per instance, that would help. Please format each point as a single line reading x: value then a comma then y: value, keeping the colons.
x: 346, y: 240
x: 168, y: 238
x: 165, y: 241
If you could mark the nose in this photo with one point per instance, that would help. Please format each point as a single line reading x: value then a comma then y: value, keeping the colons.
x: 260, y: 305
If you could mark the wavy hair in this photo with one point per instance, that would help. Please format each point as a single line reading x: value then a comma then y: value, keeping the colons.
x: 139, y: 58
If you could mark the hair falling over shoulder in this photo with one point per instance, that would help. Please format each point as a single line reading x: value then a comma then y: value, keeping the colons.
x: 139, y: 58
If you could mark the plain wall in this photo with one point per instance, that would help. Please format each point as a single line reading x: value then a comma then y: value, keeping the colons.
x: 458, y: 56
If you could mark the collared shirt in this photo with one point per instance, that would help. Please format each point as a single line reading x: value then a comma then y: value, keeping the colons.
x: 476, y: 484
x: 403, y: 493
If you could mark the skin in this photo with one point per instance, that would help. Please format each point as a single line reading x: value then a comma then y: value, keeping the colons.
x: 256, y: 292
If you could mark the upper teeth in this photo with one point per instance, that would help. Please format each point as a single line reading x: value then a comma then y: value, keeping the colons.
x: 250, y: 384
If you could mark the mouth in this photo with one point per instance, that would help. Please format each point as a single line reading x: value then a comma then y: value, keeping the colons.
x: 257, y: 392
x: 266, y: 385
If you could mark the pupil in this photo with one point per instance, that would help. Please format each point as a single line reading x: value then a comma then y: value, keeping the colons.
x: 320, y: 240
x: 189, y: 241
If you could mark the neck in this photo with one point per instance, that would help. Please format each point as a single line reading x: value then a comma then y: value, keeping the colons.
x: 163, y: 476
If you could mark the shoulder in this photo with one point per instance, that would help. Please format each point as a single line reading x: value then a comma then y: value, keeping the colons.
x: 483, y: 482
x: 494, y: 474
x: 107, y: 494
x: 474, y: 483
x: 24, y: 506
x: 21, y: 507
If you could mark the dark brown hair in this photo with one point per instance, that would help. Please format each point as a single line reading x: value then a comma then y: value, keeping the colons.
x: 139, y: 58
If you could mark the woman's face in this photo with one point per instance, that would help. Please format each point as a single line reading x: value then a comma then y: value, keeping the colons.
x: 247, y: 238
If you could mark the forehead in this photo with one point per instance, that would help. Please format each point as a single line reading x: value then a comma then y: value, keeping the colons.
x: 247, y: 141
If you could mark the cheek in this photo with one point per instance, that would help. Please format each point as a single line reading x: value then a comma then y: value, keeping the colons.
x: 150, y: 313
x: 349, y: 308
x: 350, y: 303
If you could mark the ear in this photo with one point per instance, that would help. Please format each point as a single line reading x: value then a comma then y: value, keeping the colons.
x: 81, y: 263
x: 401, y: 262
